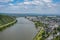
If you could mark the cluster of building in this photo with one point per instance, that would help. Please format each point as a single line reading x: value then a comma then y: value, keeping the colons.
x: 52, y: 21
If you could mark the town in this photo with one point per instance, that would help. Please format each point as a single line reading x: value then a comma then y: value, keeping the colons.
x: 49, y: 27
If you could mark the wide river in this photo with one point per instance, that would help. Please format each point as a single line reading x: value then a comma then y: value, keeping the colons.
x: 22, y: 30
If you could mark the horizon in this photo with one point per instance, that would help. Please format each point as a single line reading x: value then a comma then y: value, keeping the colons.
x: 28, y: 14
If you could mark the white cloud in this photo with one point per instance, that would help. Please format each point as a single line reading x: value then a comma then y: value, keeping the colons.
x: 32, y: 2
x: 47, y: 0
x: 42, y: 6
x: 12, y: 0
x: 5, y: 0
x: 27, y: 2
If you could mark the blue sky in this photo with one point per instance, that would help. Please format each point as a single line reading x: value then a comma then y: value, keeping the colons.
x: 30, y: 6
x: 18, y: 1
x: 14, y: 1
x: 56, y: 1
x: 32, y: 0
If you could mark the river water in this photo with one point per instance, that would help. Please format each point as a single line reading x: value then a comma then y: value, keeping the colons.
x: 22, y: 30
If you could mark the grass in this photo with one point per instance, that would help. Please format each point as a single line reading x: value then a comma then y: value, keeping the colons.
x: 6, y: 21
x: 42, y: 34
x: 38, y: 24
x: 39, y: 35
x: 57, y: 38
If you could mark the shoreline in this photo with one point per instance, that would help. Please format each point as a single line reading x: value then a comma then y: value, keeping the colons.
x: 8, y: 24
x: 37, y: 35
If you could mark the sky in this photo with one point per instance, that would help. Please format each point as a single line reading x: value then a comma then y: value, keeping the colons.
x: 30, y: 6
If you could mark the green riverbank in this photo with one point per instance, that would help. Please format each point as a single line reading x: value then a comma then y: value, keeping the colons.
x: 39, y: 34
x: 6, y: 21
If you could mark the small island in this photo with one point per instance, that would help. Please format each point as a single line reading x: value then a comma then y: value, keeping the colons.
x: 6, y: 21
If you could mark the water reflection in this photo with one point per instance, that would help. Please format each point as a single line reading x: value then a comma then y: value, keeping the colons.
x: 22, y: 30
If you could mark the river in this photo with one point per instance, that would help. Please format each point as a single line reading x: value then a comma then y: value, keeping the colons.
x: 22, y: 30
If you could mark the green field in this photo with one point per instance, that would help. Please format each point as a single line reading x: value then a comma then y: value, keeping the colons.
x: 57, y: 38
x: 42, y: 34
x: 6, y: 21
x: 39, y: 35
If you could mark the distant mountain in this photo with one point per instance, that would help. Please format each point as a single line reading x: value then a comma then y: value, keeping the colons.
x: 29, y: 14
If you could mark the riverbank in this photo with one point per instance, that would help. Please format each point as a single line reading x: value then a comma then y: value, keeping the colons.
x: 22, y: 30
x: 6, y: 21
x: 39, y: 34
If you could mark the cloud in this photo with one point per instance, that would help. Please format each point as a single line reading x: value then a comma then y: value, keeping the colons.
x: 5, y: 0
x: 36, y: 6
x: 47, y: 0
